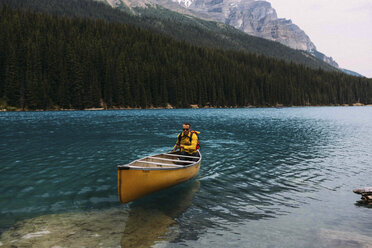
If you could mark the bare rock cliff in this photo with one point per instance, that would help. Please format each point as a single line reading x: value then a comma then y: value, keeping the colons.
x: 255, y: 17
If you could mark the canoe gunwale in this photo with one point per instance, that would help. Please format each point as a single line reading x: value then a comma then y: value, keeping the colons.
x: 133, y: 167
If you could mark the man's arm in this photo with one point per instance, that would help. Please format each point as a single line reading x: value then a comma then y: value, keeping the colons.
x: 177, y: 145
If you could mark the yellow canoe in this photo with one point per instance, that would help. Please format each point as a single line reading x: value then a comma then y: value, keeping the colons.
x: 147, y: 175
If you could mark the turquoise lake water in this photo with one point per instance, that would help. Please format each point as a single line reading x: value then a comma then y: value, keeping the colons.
x: 269, y: 178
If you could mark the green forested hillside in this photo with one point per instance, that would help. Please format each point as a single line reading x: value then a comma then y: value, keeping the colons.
x: 49, y: 62
x: 185, y: 28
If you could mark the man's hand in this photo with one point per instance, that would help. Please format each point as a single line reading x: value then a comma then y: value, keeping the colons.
x: 176, y: 147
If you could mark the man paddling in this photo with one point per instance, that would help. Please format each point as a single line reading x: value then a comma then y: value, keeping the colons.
x: 187, y: 141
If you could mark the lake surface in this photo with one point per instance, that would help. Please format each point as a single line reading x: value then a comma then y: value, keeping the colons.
x: 269, y: 178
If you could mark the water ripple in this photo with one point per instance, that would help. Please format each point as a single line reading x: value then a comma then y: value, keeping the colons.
x: 258, y: 164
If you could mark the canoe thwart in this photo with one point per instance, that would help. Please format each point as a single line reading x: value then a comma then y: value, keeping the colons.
x: 176, y: 155
x: 170, y: 160
x: 160, y: 164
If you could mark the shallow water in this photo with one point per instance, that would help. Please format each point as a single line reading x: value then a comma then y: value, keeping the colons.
x: 269, y: 178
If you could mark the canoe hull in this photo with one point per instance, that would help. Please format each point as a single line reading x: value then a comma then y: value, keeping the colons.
x: 136, y: 183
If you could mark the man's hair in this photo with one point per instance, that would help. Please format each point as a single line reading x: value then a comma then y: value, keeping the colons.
x: 188, y: 124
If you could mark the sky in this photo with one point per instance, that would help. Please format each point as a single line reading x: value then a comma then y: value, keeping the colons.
x: 341, y: 29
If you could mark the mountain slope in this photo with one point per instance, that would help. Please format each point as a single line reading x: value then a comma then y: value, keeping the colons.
x: 254, y: 17
x: 182, y: 27
x: 51, y: 62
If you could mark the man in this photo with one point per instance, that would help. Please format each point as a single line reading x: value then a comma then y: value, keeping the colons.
x: 187, y: 141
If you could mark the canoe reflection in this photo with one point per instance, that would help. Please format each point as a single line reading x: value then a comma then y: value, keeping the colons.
x: 151, y: 219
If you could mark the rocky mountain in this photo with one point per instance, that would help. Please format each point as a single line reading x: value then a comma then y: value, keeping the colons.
x: 255, y: 17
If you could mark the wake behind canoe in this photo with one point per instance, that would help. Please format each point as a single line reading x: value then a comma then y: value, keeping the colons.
x: 153, y: 173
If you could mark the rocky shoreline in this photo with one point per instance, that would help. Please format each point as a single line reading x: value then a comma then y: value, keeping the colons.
x: 192, y: 106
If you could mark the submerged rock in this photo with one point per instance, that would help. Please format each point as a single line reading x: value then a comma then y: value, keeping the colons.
x: 332, y: 238
x: 148, y: 222
x: 110, y: 228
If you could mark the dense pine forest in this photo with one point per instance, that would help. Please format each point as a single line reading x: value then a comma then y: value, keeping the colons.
x: 50, y: 62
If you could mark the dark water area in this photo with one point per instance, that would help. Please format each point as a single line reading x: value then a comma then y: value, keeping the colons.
x: 269, y: 178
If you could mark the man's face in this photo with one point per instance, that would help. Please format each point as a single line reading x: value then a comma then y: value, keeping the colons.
x: 186, y: 129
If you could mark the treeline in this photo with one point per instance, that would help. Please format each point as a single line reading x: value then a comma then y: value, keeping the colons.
x: 180, y: 27
x: 49, y: 62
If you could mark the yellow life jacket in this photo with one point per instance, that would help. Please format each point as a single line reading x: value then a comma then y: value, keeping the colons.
x: 190, y: 137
